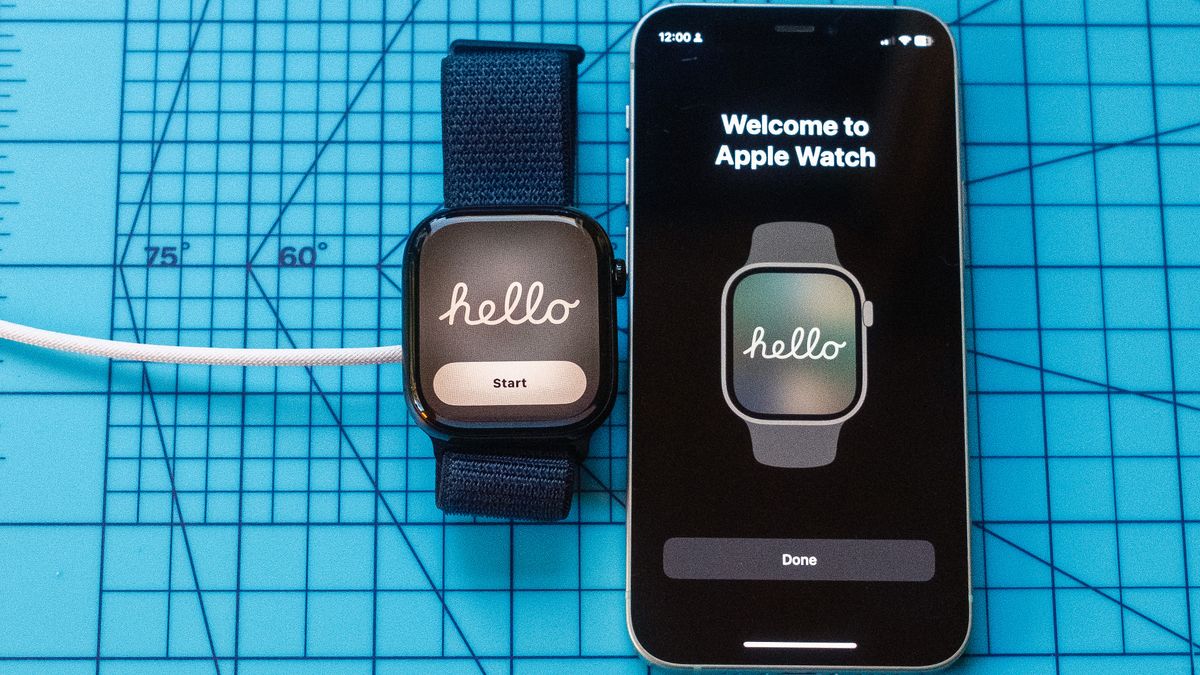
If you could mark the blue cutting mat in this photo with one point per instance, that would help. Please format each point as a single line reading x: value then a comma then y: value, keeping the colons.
x: 282, y: 521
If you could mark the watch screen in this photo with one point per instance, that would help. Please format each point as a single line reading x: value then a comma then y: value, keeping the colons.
x: 508, y: 320
x: 792, y: 343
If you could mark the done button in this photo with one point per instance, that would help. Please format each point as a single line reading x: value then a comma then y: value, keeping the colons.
x: 509, y: 383
x: 799, y: 559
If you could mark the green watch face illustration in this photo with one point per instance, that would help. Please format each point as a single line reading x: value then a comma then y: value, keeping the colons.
x: 793, y: 343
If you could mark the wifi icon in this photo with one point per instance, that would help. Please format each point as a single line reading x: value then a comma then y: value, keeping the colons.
x: 905, y: 39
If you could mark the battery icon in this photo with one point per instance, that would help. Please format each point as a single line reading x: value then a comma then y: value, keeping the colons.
x: 922, y: 40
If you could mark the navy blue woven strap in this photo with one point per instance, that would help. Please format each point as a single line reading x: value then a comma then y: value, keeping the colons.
x: 502, y: 486
x: 508, y: 124
x: 508, y: 139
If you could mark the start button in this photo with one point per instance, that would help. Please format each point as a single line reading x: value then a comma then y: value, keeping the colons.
x: 509, y: 383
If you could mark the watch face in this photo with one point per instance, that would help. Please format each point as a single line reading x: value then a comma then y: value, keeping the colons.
x: 510, y: 326
x: 793, y: 343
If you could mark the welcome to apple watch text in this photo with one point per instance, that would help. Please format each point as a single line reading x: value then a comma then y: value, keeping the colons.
x: 814, y: 156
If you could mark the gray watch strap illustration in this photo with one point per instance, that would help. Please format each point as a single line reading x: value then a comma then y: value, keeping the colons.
x: 793, y: 242
x: 792, y: 445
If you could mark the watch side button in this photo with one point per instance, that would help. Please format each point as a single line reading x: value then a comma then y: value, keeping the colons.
x: 868, y: 313
x: 620, y: 277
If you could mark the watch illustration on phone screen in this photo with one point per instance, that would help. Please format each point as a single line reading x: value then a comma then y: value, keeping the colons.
x: 793, y: 344
x: 509, y: 293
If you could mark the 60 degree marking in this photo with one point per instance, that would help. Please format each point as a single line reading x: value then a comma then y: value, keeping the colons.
x: 304, y: 256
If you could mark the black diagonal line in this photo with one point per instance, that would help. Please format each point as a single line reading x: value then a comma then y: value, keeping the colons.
x: 607, y: 211
x: 184, y: 76
x: 1081, y: 582
x: 397, y: 247
x: 603, y: 486
x: 170, y: 474
x: 370, y: 478
x: 187, y: 544
x: 312, y: 167
x: 1095, y: 150
x: 1103, y: 385
x: 137, y: 333
x: 973, y: 12
x: 388, y: 278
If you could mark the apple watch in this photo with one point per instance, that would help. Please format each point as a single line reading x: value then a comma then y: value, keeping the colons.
x: 793, y: 344
x: 509, y: 293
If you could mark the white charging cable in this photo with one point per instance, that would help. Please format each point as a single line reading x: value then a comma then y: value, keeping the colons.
x: 204, y: 356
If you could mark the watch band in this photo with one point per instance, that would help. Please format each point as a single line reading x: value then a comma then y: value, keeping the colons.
x: 508, y: 139
x: 506, y: 486
x: 793, y: 446
x: 508, y: 123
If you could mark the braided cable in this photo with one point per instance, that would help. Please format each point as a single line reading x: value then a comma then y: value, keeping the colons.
x: 207, y: 356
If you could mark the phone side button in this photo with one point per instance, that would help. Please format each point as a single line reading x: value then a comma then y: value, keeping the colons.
x: 628, y: 254
x: 627, y: 186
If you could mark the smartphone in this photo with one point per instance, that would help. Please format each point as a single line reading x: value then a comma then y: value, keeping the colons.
x: 798, y: 464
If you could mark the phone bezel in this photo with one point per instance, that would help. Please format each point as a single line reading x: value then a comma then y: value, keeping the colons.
x: 631, y: 256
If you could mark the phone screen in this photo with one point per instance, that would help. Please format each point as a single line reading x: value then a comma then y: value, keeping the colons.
x: 798, y: 448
